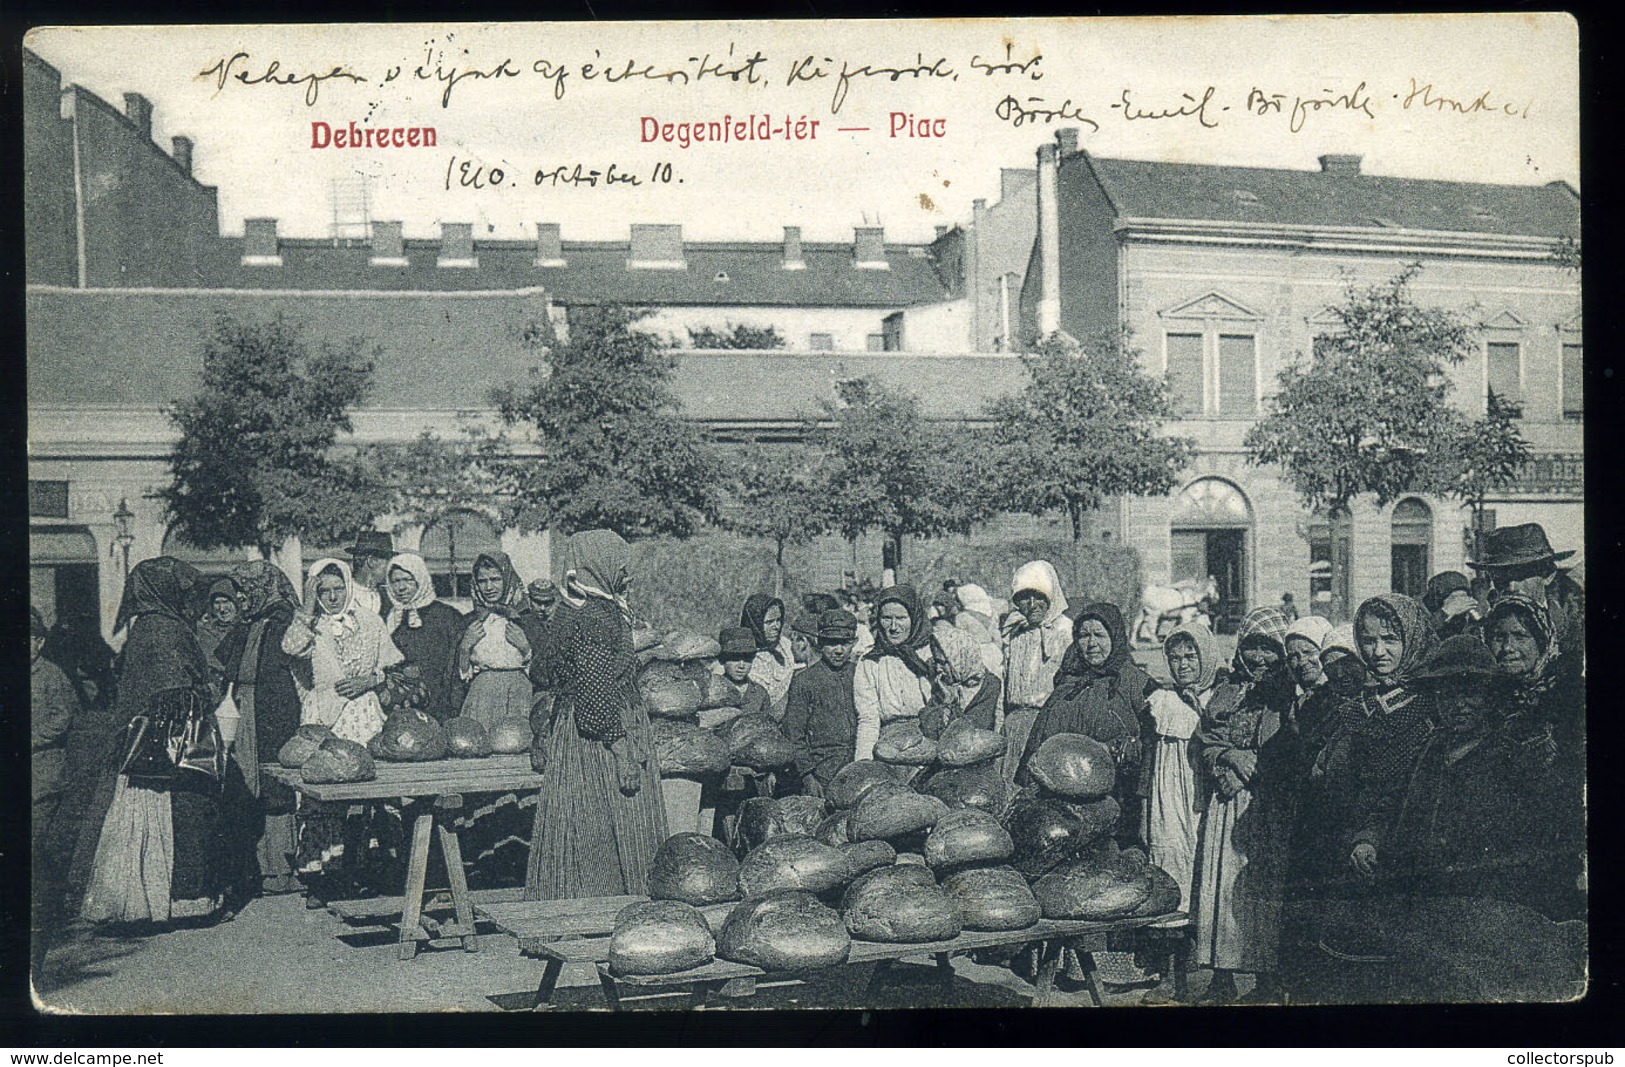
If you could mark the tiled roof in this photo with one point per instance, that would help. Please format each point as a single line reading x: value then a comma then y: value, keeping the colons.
x: 438, y: 352
x: 1153, y: 190
x: 717, y: 273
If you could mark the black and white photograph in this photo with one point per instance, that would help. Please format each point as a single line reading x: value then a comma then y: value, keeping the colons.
x: 633, y: 517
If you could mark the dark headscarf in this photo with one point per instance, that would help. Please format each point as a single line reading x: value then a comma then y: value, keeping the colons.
x: 914, y: 649
x: 1415, y: 628
x: 264, y: 586
x: 511, y: 600
x: 163, y: 585
x: 1111, y: 617
x: 757, y: 605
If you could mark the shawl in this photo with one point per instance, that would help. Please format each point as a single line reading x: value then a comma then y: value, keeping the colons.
x: 1271, y: 625
x: 336, y: 623
x: 412, y: 564
x: 1415, y: 628
x: 507, y: 603
x: 757, y: 605
x: 1207, y: 649
x: 163, y: 585
x: 596, y: 563
x: 909, y: 650
x: 264, y: 585
x: 1312, y: 628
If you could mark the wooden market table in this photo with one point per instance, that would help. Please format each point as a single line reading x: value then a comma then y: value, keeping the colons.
x: 578, y: 931
x: 435, y: 789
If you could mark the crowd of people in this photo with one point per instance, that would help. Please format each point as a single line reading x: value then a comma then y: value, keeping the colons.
x: 1345, y: 807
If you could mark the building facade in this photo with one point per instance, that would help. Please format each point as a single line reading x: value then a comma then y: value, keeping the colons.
x: 1222, y: 275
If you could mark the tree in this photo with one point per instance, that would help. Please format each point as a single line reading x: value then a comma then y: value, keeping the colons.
x: 1370, y: 411
x: 613, y: 449
x: 740, y: 336
x: 780, y: 496
x: 255, y: 464
x: 431, y: 476
x: 1487, y: 456
x: 888, y: 469
x: 1087, y: 425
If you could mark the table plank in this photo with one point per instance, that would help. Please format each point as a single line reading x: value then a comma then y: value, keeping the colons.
x: 370, y: 908
x: 494, y: 774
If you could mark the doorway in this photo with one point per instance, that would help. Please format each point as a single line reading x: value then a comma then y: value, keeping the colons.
x: 1209, y: 532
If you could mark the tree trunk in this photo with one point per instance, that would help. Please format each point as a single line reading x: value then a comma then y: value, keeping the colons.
x: 891, y: 558
x: 1075, y: 513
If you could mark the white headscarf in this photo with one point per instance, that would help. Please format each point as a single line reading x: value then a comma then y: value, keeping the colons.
x: 1039, y: 577
x: 412, y: 564
x: 342, y: 621
x: 973, y: 597
x: 1312, y: 628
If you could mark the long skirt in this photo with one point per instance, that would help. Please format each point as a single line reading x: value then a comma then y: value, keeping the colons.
x: 1238, y: 895
x: 494, y: 696
x: 1018, y: 726
x: 589, y: 838
x: 1175, y: 815
x: 160, y: 856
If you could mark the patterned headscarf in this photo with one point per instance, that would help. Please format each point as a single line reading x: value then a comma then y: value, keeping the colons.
x: 596, y: 563
x: 163, y: 585
x: 511, y: 600
x: 1414, y: 625
x: 963, y: 656
x: 1539, y: 621
x: 338, y: 622
x: 911, y: 650
x: 264, y: 585
x: 1207, y: 648
x: 754, y: 616
x: 412, y: 564
x: 1265, y: 623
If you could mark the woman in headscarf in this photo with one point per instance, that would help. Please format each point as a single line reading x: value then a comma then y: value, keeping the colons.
x: 426, y: 630
x: 261, y: 676
x: 599, y: 818
x: 1035, y: 636
x: 494, y: 652
x: 963, y: 689
x: 346, y: 649
x: 1245, y: 831
x: 977, y: 621
x: 775, y: 662
x: 160, y: 857
x: 220, y: 617
x: 1178, y: 792
x: 893, y: 679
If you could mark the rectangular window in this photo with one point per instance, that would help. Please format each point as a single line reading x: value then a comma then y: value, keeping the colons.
x: 1573, y: 382
x: 874, y: 342
x: 1185, y: 372
x: 1238, y: 378
x: 1503, y: 360
x: 47, y: 500
x: 821, y: 342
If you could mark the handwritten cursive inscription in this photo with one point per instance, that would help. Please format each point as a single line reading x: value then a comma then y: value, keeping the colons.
x: 1192, y: 107
x: 232, y: 69
x: 1018, y: 114
x: 1424, y: 96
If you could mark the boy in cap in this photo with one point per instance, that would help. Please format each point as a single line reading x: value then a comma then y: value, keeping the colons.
x: 541, y: 596
x: 820, y: 715
x: 738, y: 651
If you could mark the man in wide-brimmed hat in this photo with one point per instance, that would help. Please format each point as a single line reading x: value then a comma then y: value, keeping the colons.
x: 369, y: 563
x: 1518, y: 559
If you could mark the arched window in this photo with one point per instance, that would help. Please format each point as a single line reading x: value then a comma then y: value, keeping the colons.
x: 450, y: 545
x: 1412, y: 551
x: 1209, y: 534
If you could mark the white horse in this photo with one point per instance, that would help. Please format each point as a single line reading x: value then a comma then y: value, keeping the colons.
x: 1162, y: 607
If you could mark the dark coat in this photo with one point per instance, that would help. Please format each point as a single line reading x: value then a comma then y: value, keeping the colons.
x: 544, y: 650
x: 432, y: 648
x: 821, y: 719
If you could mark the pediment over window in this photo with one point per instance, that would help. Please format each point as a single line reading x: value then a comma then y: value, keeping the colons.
x: 1506, y: 320
x: 1213, y: 306
x: 1326, y: 316
x: 1570, y: 324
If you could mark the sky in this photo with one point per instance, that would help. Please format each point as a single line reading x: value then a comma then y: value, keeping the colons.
x: 930, y: 111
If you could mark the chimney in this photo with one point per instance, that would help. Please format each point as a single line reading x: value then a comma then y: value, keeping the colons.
x: 183, y: 154
x: 1336, y: 164
x: 549, y: 247
x: 869, y: 248
x: 792, y: 249
x: 388, y: 250
x: 942, y: 231
x: 260, y: 244
x: 1067, y: 139
x: 457, y: 245
x: 139, y: 111
x: 656, y: 246
x: 1049, y: 244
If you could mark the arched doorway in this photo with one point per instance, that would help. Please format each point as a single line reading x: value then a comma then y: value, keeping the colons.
x: 450, y: 545
x: 1210, y: 535
x: 62, y: 576
x: 1412, y: 547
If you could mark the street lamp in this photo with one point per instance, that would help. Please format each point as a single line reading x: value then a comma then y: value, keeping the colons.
x: 122, y: 537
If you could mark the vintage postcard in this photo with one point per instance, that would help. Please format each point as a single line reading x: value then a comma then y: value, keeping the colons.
x: 738, y: 515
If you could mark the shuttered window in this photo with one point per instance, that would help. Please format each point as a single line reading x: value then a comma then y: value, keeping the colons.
x: 1185, y: 372
x: 1238, y: 377
x: 1503, y: 359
